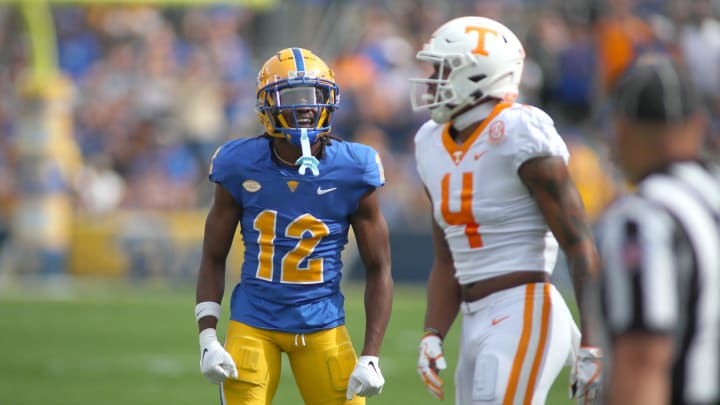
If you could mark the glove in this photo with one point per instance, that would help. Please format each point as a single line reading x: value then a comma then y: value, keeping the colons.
x: 215, y: 363
x: 366, y: 380
x: 585, y: 375
x: 431, y: 362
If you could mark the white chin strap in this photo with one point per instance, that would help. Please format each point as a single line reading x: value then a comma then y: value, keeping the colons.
x: 307, y: 160
x: 473, y: 115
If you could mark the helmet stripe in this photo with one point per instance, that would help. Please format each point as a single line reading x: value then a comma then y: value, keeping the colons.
x: 299, y: 60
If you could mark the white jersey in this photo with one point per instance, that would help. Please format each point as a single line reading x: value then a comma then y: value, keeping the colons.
x: 491, y: 222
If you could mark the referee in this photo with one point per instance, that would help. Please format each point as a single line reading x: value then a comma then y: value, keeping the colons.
x: 660, y: 246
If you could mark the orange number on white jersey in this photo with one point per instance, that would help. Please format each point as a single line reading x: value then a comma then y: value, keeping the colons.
x: 464, y: 216
x: 290, y: 271
x: 480, y: 49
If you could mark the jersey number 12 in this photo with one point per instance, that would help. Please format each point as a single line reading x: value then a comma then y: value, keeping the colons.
x: 290, y: 270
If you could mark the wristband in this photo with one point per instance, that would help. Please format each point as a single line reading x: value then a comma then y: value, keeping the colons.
x: 433, y: 331
x: 207, y: 308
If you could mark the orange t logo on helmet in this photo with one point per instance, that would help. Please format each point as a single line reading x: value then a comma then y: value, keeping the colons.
x: 480, y: 49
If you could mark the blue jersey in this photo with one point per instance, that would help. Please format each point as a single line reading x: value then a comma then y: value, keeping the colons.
x: 294, y: 228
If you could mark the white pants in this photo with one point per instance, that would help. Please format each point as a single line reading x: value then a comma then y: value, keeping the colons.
x: 514, y: 344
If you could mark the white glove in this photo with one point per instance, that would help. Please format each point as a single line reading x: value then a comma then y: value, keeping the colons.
x: 585, y: 375
x: 215, y: 363
x: 431, y: 362
x: 366, y: 380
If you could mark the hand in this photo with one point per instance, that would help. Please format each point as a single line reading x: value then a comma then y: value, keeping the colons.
x: 585, y: 375
x: 366, y: 380
x: 430, y: 363
x: 215, y: 363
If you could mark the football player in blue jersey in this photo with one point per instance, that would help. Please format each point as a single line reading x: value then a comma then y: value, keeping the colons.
x: 295, y: 192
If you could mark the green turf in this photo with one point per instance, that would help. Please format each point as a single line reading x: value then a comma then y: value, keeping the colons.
x: 117, y: 343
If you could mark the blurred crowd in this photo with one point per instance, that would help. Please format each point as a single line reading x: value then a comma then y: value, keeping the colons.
x: 155, y: 90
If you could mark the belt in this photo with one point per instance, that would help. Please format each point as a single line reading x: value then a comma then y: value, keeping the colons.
x: 481, y: 289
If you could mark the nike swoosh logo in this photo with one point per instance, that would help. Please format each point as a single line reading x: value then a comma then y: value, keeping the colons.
x: 321, y: 191
x: 203, y: 355
x: 496, y: 321
x: 479, y: 155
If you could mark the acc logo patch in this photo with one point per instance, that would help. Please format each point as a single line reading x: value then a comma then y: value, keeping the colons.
x: 292, y: 185
x: 496, y: 132
x: 251, y: 186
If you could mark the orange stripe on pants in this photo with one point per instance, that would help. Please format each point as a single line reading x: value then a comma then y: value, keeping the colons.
x: 541, y: 344
x: 522, y: 346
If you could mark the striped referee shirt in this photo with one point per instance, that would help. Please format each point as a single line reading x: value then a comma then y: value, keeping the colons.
x: 660, y: 249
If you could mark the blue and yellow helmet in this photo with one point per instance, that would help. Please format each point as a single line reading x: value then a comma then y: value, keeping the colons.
x: 293, y: 79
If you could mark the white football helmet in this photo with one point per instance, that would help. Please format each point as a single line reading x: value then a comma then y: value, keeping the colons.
x: 474, y: 58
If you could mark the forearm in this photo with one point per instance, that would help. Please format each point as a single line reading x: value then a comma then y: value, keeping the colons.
x: 443, y: 299
x: 583, y: 264
x: 210, y: 287
x: 378, y: 306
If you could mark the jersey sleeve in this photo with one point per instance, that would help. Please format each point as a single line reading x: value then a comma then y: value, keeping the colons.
x: 373, y: 173
x: 224, y: 168
x: 219, y: 165
x: 420, y: 140
x: 535, y: 135
x: 638, y: 280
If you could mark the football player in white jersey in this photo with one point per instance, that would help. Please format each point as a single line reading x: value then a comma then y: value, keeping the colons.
x: 503, y: 204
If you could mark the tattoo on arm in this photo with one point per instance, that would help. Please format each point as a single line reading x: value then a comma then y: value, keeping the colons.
x: 548, y: 181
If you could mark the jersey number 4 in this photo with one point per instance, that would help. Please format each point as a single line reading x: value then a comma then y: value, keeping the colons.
x: 465, y: 215
x: 290, y: 270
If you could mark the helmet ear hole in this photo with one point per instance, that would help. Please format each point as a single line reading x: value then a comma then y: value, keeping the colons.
x: 477, y: 94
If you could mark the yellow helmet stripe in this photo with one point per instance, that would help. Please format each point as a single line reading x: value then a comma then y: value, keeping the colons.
x: 323, y: 117
x: 282, y: 120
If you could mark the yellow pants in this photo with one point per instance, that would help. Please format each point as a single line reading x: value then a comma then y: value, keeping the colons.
x: 321, y: 363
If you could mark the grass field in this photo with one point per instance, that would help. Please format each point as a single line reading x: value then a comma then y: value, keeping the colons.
x: 113, y: 343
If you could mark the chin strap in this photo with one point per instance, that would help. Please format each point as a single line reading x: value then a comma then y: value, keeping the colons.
x: 307, y: 160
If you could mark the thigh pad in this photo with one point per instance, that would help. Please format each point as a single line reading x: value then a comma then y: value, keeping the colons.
x: 249, y: 356
x: 485, y: 375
